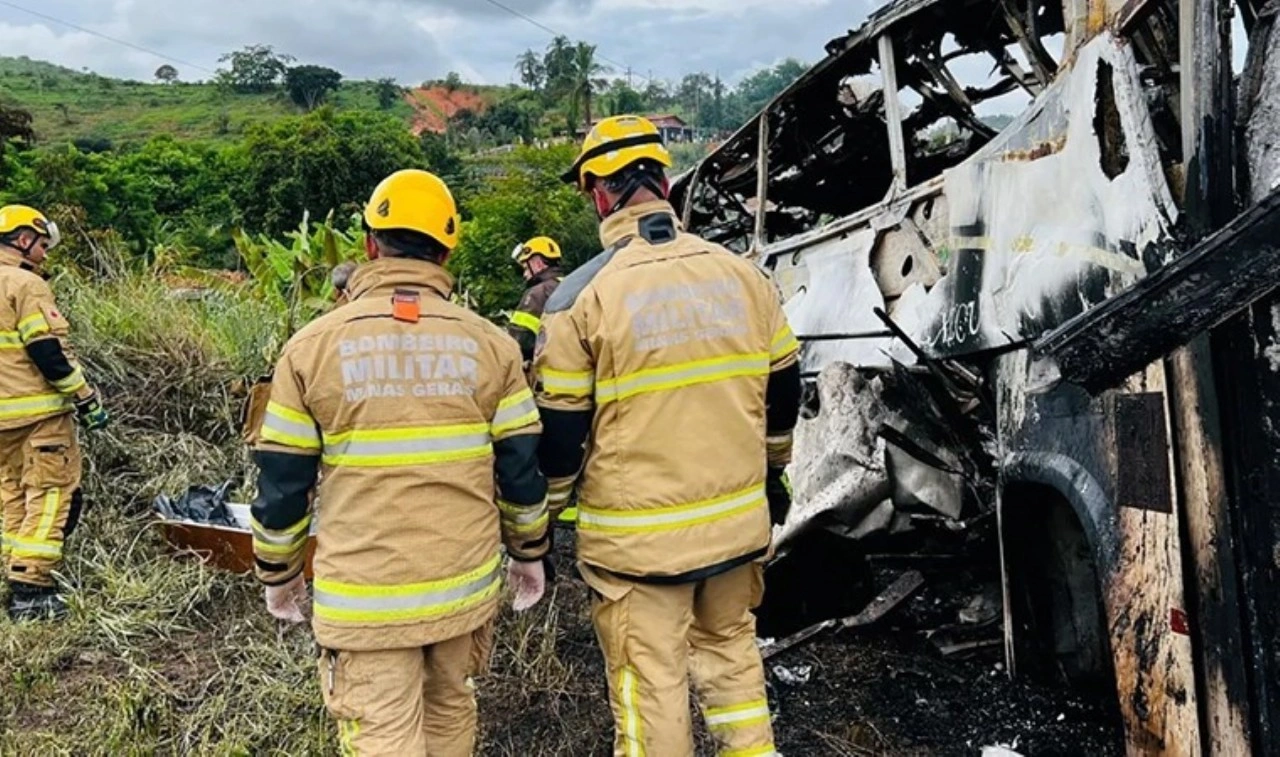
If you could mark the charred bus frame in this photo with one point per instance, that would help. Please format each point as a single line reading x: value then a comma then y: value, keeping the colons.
x: 1100, y: 266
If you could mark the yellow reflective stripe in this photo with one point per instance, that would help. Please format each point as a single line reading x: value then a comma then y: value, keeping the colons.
x: 572, y: 384
x: 48, y: 513
x: 71, y: 383
x: 738, y: 715
x: 33, y: 405
x: 289, y: 427
x: 526, y: 320
x: 348, y: 730
x: 784, y: 343
x: 283, y: 542
x: 32, y: 326
x: 369, y: 603
x: 752, y: 751
x: 19, y: 546
x: 682, y: 375
x: 667, y: 518
x: 568, y: 515
x: 629, y: 697
x: 517, y: 411
x: 9, y: 340
x: 523, y: 518
x: 407, y: 446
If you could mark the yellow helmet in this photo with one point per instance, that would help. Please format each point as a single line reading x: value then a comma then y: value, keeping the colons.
x: 615, y: 143
x: 14, y: 218
x: 414, y: 200
x: 544, y: 246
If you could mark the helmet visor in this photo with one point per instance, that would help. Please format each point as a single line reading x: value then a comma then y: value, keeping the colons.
x: 54, y: 235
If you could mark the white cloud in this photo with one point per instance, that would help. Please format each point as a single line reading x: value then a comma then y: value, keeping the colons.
x: 414, y: 40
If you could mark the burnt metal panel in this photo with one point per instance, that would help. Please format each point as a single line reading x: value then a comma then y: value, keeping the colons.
x: 1142, y: 452
x: 1199, y: 290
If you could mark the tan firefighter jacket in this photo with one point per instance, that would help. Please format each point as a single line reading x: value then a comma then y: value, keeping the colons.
x: 418, y: 413
x: 39, y: 375
x: 657, y: 353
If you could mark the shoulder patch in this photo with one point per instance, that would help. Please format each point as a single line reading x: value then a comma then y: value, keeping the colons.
x: 573, y: 285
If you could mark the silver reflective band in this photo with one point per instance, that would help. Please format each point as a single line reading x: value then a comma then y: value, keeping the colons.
x: 276, y: 427
x: 679, y: 377
x: 371, y: 448
x: 522, y: 515
x: 389, y: 603
x: 679, y: 515
x: 508, y: 415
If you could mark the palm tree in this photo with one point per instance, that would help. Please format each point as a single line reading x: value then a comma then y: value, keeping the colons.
x: 588, y: 77
x: 533, y: 72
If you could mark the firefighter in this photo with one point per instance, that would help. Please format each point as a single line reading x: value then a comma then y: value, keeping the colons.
x: 41, y: 385
x: 427, y: 432
x: 669, y: 386
x: 539, y: 261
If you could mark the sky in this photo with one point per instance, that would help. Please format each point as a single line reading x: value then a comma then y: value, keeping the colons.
x: 417, y: 40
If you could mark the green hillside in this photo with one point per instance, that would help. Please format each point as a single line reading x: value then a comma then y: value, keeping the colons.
x: 70, y: 105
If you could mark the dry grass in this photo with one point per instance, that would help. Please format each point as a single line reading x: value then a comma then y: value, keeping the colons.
x: 162, y: 655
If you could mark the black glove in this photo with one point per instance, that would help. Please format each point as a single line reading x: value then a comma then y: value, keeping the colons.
x: 778, y: 490
x: 91, y: 413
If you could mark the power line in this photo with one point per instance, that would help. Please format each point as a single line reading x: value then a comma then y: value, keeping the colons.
x: 555, y: 33
x: 109, y: 38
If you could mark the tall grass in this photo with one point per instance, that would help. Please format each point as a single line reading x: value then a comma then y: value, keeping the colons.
x: 162, y: 655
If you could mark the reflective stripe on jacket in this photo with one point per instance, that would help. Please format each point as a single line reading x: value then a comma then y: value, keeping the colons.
x: 28, y: 314
x: 667, y: 342
x: 425, y: 430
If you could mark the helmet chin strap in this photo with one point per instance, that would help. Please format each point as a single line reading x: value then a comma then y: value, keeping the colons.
x: 633, y: 185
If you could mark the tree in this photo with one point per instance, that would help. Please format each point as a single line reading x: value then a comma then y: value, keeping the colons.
x: 167, y: 74
x: 388, y: 92
x: 532, y: 70
x: 256, y: 68
x: 557, y: 66
x: 588, y: 78
x: 694, y: 93
x: 308, y: 85
x: 519, y: 199
x: 452, y: 81
x: 321, y: 161
x: 15, y: 126
x: 623, y: 99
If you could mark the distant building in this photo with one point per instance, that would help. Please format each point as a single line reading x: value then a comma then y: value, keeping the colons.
x: 670, y: 126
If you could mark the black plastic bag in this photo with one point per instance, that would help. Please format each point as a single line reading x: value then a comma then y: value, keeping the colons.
x: 201, y: 504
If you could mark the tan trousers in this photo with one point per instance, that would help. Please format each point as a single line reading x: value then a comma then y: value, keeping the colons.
x: 656, y: 638
x: 418, y: 701
x: 40, y: 493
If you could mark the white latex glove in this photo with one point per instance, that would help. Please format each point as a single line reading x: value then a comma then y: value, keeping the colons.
x: 529, y: 580
x: 289, y: 601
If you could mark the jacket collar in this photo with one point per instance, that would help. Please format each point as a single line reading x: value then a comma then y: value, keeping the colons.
x: 11, y: 257
x: 385, y: 274
x: 626, y: 222
x: 546, y: 274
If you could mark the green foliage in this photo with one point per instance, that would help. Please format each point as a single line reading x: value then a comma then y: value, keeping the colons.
x: 521, y: 197
x: 319, y: 162
x: 254, y: 69
x: 388, y: 93
x: 15, y: 125
x: 309, y: 85
x: 293, y: 277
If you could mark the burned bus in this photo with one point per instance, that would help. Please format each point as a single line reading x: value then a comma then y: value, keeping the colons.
x: 1061, y: 320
